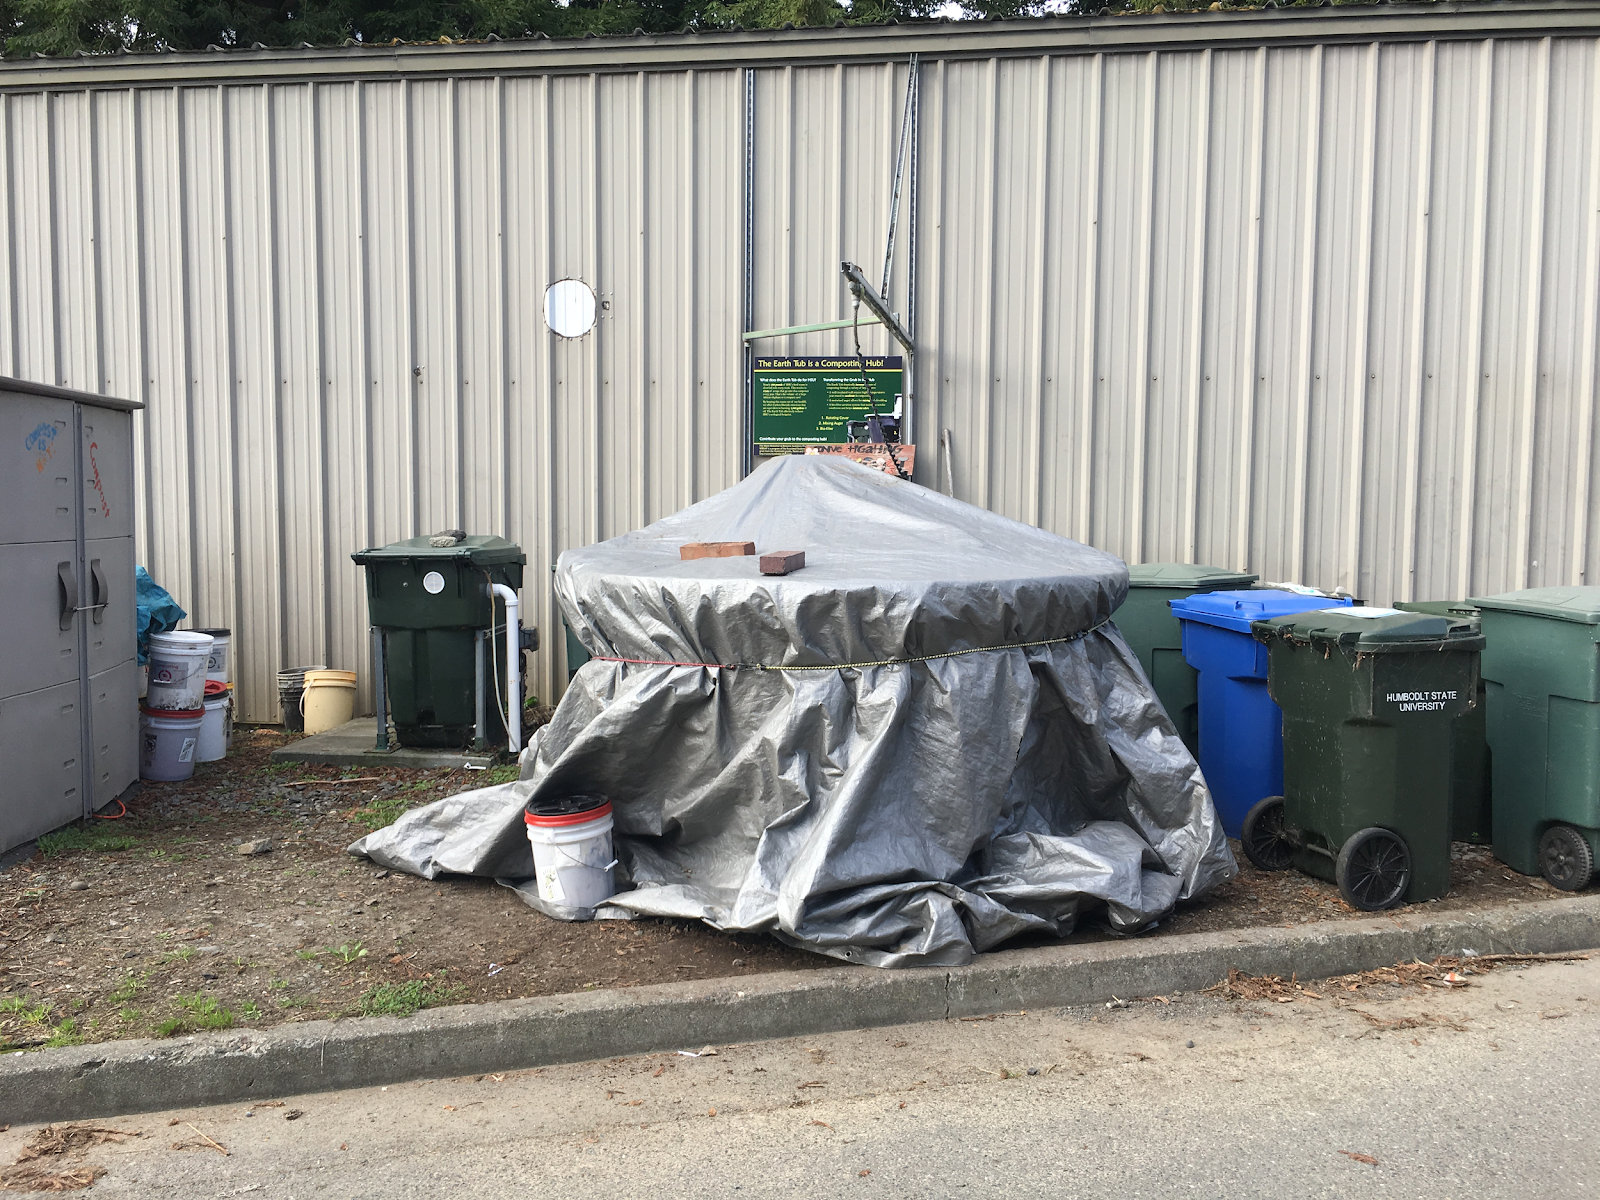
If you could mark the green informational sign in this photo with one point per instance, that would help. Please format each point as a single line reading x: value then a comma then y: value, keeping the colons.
x: 801, y: 402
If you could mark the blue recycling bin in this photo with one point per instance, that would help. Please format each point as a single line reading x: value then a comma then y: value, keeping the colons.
x: 1241, y: 728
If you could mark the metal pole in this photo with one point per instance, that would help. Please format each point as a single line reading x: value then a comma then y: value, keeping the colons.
x: 747, y: 449
x: 480, y: 732
x: 380, y: 689
x: 909, y: 414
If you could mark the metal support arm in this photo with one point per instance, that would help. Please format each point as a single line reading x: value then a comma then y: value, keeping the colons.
x: 867, y: 294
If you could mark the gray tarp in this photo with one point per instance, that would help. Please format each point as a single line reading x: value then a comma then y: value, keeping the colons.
x: 882, y: 811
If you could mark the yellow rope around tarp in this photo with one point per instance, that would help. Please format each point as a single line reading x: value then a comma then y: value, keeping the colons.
x: 882, y: 662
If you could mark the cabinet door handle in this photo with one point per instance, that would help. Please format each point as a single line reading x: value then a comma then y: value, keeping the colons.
x: 67, y: 582
x: 101, y: 593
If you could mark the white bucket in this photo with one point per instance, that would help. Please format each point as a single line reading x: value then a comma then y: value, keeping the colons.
x: 178, y: 670
x: 167, y: 743
x: 213, y: 730
x: 328, y: 699
x: 571, y: 841
x: 219, y: 662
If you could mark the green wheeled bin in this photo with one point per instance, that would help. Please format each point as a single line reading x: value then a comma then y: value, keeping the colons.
x: 1471, y: 818
x: 1541, y: 662
x: 1153, y: 633
x: 429, y: 604
x: 1370, y: 697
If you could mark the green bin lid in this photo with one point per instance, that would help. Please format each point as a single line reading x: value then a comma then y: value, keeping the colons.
x: 1578, y: 604
x: 1190, y: 576
x: 1439, y: 608
x: 1373, y: 630
x: 480, y: 550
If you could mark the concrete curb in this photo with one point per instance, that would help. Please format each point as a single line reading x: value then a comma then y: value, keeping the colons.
x: 138, y: 1076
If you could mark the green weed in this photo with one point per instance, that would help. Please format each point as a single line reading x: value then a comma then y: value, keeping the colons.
x: 29, y: 1014
x: 130, y: 987
x: 306, y: 955
x: 33, y: 894
x: 277, y: 985
x: 403, y: 999
x: 130, y: 1015
x: 296, y: 1001
x: 347, y: 953
x: 65, y: 841
x: 169, y: 1027
x: 250, y: 1010
x: 505, y: 773
x: 166, y: 856
x: 179, y: 954
x: 64, y: 1034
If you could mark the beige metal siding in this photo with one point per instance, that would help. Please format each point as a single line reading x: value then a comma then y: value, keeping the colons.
x: 1325, y: 310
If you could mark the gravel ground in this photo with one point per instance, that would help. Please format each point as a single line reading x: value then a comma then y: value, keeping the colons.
x: 155, y: 924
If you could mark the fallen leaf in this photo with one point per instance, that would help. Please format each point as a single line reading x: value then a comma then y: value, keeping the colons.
x: 711, y: 1112
x: 825, y: 1125
x: 864, y: 1174
x: 1360, y: 1158
x: 452, y: 1107
x: 344, y: 1145
x: 902, y: 1104
x: 656, y: 1074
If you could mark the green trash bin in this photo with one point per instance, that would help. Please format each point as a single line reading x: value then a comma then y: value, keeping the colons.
x: 1153, y: 633
x: 1470, y: 813
x: 1370, y: 697
x: 429, y: 603
x: 577, y: 655
x: 1542, y: 665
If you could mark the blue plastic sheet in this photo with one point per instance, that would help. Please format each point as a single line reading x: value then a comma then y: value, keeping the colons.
x: 158, y: 611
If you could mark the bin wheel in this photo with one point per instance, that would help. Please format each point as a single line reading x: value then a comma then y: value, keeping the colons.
x: 1265, y: 840
x: 1373, y: 869
x: 1565, y: 858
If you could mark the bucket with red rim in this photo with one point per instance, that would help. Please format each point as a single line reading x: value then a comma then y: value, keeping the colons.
x: 571, y: 840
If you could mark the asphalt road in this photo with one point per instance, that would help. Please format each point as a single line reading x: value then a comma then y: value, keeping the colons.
x: 1483, y: 1091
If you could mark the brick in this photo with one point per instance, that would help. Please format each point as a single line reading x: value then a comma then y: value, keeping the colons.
x: 715, y: 549
x: 781, y: 562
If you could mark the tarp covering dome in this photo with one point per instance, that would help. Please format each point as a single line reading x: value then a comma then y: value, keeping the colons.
x: 928, y: 740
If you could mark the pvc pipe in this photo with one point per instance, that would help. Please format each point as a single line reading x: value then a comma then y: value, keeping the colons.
x: 513, y: 666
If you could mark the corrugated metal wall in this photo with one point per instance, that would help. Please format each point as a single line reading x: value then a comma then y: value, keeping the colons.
x: 1325, y: 311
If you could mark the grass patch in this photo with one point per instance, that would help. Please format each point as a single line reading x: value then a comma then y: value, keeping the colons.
x: 403, y: 999
x: 505, y: 773
x: 306, y: 955
x: 130, y: 987
x: 380, y: 811
x: 64, y: 1034
x: 296, y: 1001
x: 131, y: 1015
x: 204, y: 1012
x: 169, y: 1027
x: 179, y: 954
x: 73, y: 838
x: 250, y: 1010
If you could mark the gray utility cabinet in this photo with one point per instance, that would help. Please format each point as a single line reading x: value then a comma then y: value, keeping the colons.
x: 69, y: 673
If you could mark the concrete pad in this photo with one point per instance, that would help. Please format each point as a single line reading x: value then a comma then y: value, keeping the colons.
x: 249, y: 1064
x: 351, y: 745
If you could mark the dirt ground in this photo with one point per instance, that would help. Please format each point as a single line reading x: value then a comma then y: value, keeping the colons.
x: 156, y: 925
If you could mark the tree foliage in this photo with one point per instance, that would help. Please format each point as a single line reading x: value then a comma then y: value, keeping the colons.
x: 64, y: 27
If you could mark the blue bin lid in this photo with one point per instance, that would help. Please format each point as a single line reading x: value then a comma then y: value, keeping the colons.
x: 1235, y: 610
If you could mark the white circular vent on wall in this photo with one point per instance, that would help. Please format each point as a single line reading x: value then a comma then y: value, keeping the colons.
x: 569, y: 308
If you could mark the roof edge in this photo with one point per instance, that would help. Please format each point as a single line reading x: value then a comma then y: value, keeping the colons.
x: 1447, y: 19
x: 29, y: 387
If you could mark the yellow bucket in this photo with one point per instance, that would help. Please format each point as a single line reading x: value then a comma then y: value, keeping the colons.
x: 329, y: 699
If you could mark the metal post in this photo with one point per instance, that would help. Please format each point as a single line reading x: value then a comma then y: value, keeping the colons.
x: 380, y: 690
x: 480, y: 731
x: 747, y: 449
